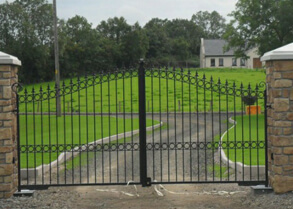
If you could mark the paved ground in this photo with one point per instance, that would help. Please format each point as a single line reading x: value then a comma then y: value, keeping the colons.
x: 212, y: 196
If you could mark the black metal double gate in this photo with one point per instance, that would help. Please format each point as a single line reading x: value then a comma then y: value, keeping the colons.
x: 142, y: 126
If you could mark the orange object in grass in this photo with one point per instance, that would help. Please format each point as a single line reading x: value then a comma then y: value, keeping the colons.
x: 253, y: 110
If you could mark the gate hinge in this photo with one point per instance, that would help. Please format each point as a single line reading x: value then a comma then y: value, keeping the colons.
x: 269, y: 106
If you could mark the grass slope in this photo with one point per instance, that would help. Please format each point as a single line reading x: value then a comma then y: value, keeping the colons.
x: 249, y: 129
x: 67, y: 130
x: 161, y: 94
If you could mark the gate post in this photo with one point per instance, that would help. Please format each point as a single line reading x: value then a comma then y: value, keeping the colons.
x: 8, y: 128
x: 142, y: 125
x: 279, y: 78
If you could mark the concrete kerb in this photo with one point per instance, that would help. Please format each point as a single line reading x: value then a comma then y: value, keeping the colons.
x: 64, y: 156
x: 240, y: 167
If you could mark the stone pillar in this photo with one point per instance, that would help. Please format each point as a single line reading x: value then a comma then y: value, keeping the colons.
x: 8, y: 128
x: 279, y: 65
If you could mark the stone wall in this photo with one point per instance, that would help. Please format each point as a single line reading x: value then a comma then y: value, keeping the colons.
x: 8, y: 131
x: 280, y: 121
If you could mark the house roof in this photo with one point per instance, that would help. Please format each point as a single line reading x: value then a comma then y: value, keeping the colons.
x: 215, y: 47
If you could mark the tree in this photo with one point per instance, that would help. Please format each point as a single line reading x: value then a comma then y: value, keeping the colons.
x: 264, y: 24
x: 212, y: 24
x: 81, y: 49
x: 187, y: 30
x: 26, y: 32
x: 159, y: 45
x: 134, y: 45
x: 180, y: 49
x: 114, y: 29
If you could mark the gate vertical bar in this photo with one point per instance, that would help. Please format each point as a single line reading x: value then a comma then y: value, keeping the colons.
x: 18, y: 142
x: 266, y: 140
x: 142, y: 124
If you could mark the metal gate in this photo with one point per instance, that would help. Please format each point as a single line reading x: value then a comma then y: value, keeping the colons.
x: 142, y: 126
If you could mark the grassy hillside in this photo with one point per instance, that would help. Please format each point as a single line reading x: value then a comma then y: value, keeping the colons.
x: 161, y: 94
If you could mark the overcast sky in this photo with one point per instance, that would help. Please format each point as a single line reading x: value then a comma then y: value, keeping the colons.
x: 139, y: 10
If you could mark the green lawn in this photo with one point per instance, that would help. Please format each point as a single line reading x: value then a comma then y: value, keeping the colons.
x: 52, y: 130
x: 109, y: 96
x: 248, y: 129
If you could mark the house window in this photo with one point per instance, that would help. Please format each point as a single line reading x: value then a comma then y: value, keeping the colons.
x: 242, y: 62
x: 221, y: 62
x: 234, y: 62
x: 213, y: 63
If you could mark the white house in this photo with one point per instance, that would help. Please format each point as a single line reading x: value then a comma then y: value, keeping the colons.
x: 212, y: 55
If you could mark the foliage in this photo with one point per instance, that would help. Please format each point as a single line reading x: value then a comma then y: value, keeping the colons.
x: 262, y: 23
x: 212, y: 24
x: 26, y: 31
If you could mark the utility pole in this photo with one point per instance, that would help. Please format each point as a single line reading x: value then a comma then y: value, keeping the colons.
x: 57, y: 70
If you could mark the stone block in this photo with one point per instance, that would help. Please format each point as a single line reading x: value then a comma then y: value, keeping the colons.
x: 6, y: 75
x: 282, y: 124
x: 5, y: 187
x: 8, y: 108
x: 281, y: 105
x: 288, y: 150
x: 280, y: 66
x: 5, y: 82
x: 277, y: 169
x: 287, y: 75
x: 6, y: 169
x: 290, y: 116
x: 288, y: 131
x: 270, y: 121
x: 291, y: 95
x: 286, y: 93
x: 282, y: 184
x: 7, y: 92
x: 15, y: 69
x: 6, y: 116
x: 291, y: 159
x: 10, y: 193
x: 8, y: 179
x: 282, y: 141
x: 288, y: 168
x: 276, y: 93
x: 8, y: 123
x: 5, y: 102
x: 6, y: 149
x: 270, y: 130
x: 277, y: 131
x: 5, y: 68
x: 281, y: 160
x: 279, y: 115
x: 9, y: 157
x: 277, y: 150
x: 5, y: 133
x: 277, y: 75
x: 284, y: 83
x: 8, y: 142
